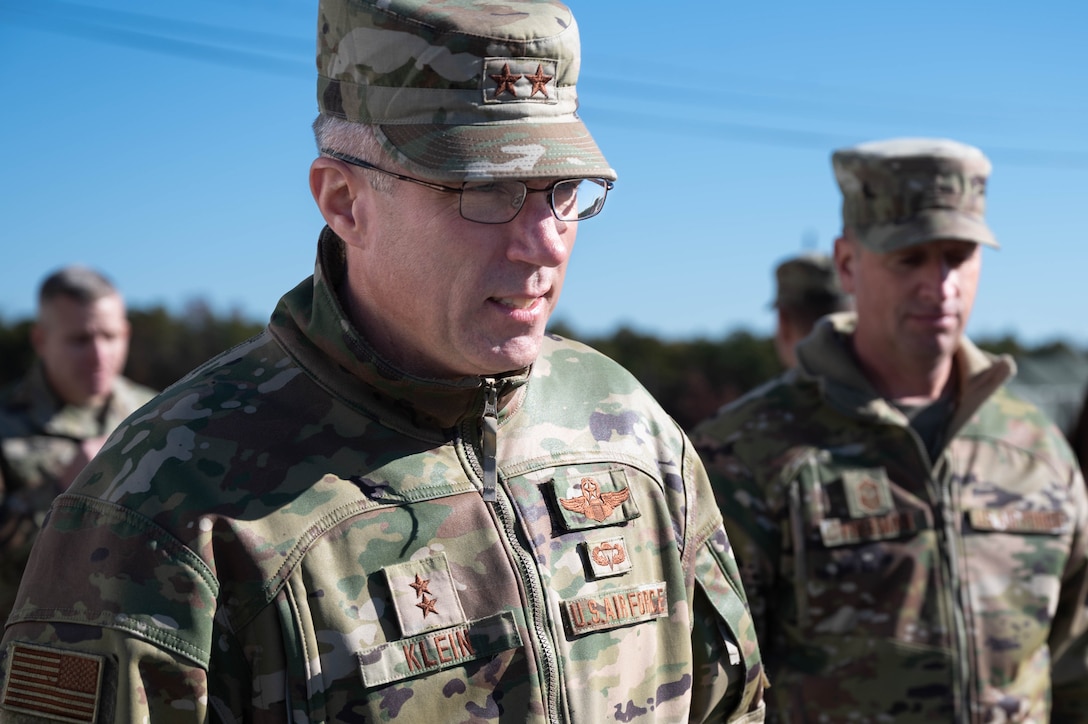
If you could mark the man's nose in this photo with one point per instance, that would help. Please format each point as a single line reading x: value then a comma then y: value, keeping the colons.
x: 537, y: 235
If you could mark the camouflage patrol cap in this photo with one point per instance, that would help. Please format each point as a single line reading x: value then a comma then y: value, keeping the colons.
x: 808, y: 280
x: 458, y: 89
x: 907, y: 191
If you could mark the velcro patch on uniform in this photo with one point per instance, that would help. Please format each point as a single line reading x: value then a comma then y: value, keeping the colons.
x: 839, y: 532
x: 615, y: 608
x: 606, y: 558
x: 520, y: 79
x: 592, y: 500
x: 1052, y: 522
x: 437, y: 650
x: 868, y: 492
x: 53, y: 683
x: 424, y: 595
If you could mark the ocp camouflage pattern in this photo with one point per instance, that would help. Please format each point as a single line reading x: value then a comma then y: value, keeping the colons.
x: 39, y: 438
x: 296, y: 532
x: 889, y: 587
x: 457, y: 89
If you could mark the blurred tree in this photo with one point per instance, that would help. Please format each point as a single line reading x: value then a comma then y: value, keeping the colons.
x: 16, y: 353
x: 164, y: 348
x: 1001, y: 345
x: 690, y: 378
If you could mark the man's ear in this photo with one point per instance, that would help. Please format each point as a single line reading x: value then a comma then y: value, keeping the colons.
x: 846, y: 256
x: 337, y: 191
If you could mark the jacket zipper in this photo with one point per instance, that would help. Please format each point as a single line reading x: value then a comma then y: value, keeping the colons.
x: 489, y: 434
x: 960, y: 602
x: 537, y: 620
x: 946, y: 542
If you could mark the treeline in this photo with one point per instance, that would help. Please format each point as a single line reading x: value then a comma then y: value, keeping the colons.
x: 691, y: 378
x: 164, y: 346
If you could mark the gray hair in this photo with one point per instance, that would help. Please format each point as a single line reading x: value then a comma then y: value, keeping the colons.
x: 354, y: 139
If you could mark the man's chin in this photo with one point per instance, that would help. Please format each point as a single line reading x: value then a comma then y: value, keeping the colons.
x: 515, y: 354
x: 936, y: 346
x: 98, y: 391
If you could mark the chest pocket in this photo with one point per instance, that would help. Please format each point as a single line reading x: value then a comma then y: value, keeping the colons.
x: 858, y: 545
x: 861, y: 508
x: 605, y: 545
x: 837, y: 502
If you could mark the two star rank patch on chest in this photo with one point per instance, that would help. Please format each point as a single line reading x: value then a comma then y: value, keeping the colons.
x: 435, y: 633
x: 424, y: 595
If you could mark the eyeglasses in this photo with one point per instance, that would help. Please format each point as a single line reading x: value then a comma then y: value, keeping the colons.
x: 499, y: 201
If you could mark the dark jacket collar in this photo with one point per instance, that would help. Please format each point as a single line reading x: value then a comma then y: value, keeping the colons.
x: 826, y: 357
x: 311, y: 324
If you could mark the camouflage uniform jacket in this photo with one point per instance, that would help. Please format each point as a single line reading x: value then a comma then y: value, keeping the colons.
x: 887, y: 586
x: 39, y: 438
x: 298, y: 532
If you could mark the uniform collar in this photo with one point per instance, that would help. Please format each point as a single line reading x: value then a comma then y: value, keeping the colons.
x: 826, y: 357
x: 311, y: 324
x: 51, y: 415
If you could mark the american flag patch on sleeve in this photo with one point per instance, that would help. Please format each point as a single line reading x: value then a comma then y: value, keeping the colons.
x: 53, y: 683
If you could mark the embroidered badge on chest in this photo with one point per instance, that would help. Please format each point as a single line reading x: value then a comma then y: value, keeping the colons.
x: 594, y: 503
x: 615, y: 607
x: 868, y: 492
x: 606, y: 558
x: 424, y: 595
x: 594, y: 499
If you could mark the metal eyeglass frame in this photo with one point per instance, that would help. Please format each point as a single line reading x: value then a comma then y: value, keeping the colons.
x: 550, y: 189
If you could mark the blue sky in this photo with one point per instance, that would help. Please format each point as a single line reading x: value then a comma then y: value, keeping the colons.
x: 169, y: 145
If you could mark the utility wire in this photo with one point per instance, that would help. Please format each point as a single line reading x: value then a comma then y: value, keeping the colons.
x: 292, y: 56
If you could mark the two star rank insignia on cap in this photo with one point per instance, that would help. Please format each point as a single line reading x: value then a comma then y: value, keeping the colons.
x: 519, y: 79
x: 506, y: 81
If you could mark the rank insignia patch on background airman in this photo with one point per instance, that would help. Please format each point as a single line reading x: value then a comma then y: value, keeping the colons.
x: 53, y: 683
x: 868, y: 492
x: 424, y: 595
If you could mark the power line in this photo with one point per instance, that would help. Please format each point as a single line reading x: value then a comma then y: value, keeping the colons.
x: 236, y: 48
x: 288, y: 55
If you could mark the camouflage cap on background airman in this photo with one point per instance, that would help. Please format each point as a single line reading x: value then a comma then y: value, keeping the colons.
x: 459, y: 89
x: 907, y: 191
x: 808, y: 280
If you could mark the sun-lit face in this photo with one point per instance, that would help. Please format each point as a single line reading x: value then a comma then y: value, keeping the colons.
x: 913, y: 303
x: 444, y: 297
x: 83, y: 346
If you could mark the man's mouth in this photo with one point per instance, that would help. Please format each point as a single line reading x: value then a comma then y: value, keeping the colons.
x: 516, y: 302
